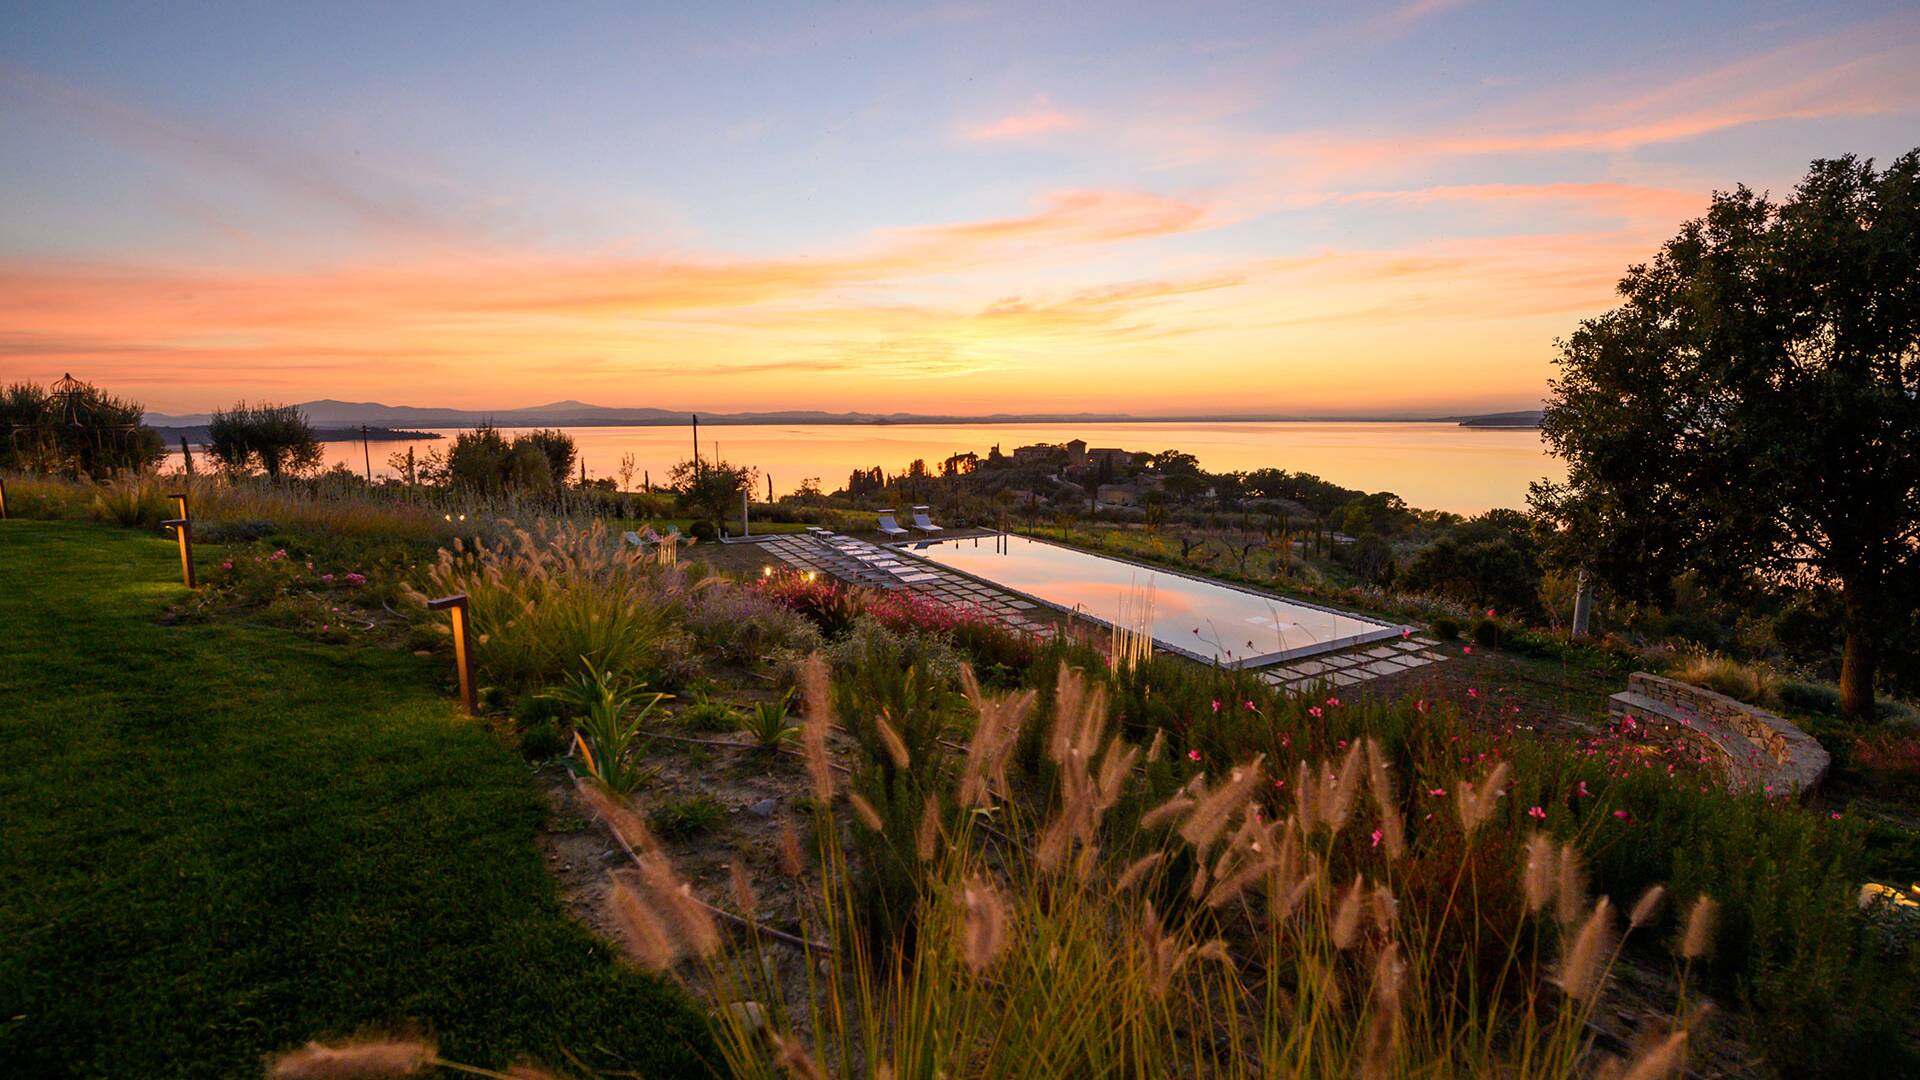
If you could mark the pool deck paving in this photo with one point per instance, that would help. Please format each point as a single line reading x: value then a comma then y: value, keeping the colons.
x: 863, y: 562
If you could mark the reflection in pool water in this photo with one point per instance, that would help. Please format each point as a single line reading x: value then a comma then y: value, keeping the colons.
x: 1205, y: 619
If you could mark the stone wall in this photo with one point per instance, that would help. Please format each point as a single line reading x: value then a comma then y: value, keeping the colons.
x: 1757, y: 748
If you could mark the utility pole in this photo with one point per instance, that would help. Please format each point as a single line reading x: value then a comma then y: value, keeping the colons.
x: 696, y: 445
x: 366, y: 452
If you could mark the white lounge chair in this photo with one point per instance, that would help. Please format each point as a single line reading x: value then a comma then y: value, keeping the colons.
x: 921, y: 522
x: 890, y: 526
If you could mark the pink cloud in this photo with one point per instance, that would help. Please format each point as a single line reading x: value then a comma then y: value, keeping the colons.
x: 1024, y: 125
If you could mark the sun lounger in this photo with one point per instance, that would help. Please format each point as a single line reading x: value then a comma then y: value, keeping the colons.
x: 890, y: 526
x: 921, y: 522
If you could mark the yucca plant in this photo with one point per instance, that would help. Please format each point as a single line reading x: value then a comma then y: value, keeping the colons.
x: 608, y: 730
x: 770, y: 722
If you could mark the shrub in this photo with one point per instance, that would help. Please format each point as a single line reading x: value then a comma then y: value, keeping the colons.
x: 1446, y: 629
x: 743, y: 625
x: 133, y: 501
x: 1810, y: 697
x: 612, y: 712
x: 1486, y: 632
x: 1745, y: 682
x: 541, y: 741
x: 546, y: 603
x: 681, y: 819
x: 705, y: 713
x: 769, y: 722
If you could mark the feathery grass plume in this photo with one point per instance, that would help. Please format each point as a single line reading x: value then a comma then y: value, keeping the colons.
x: 1339, y: 789
x: 1661, y: 1060
x: 1166, y: 811
x: 1116, y: 765
x: 1304, y: 801
x: 1475, y: 802
x: 868, y: 815
x: 674, y: 898
x: 793, y: 1056
x: 744, y: 897
x: 818, y: 700
x: 1219, y: 805
x: 1537, y: 881
x: 647, y: 939
x: 1646, y: 906
x: 926, y: 839
x: 1389, y: 975
x: 1698, y: 937
x: 371, y: 1058
x: 896, y: 747
x: 1000, y: 720
x: 1581, y: 967
x: 619, y: 817
x: 1079, y: 716
x: 1282, y: 909
x: 1393, y: 830
x: 1571, y: 890
x: 793, y: 858
x: 1345, y: 929
x: 1214, y: 950
x: 1136, y: 870
x: 1161, y: 953
x: 1158, y: 746
x: 984, y: 929
x: 1385, y: 906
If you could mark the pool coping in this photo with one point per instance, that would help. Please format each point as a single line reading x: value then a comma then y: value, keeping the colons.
x: 1387, y: 630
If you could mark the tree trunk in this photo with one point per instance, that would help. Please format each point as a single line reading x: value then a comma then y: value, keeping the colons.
x: 1857, y: 663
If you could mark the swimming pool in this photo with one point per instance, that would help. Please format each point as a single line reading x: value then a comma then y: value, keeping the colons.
x: 1202, y: 619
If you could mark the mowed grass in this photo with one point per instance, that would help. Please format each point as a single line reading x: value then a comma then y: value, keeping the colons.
x: 219, y: 841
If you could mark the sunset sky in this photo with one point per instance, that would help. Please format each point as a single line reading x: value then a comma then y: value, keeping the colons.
x: 1293, y: 208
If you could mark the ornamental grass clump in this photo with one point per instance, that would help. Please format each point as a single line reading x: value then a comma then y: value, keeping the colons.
x: 1221, y: 932
x: 548, y: 600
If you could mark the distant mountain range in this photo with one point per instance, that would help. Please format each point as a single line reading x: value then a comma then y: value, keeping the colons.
x: 331, y: 414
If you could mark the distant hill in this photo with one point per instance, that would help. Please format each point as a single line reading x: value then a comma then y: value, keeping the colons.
x: 330, y: 413
x: 1526, y: 418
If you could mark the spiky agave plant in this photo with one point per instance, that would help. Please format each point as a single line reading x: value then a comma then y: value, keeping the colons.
x: 608, y: 731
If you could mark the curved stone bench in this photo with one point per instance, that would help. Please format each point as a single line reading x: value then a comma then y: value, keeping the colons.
x: 1756, y: 750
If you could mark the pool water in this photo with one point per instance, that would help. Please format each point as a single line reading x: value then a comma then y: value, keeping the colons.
x: 1202, y: 619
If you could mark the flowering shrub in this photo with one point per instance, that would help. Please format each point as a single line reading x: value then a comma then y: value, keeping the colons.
x: 289, y: 591
x: 835, y: 608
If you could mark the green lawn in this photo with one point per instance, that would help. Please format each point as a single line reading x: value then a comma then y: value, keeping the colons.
x: 218, y: 841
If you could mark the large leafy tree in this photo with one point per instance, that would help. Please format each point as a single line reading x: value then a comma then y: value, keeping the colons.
x: 275, y: 439
x: 1751, y: 412
x: 75, y: 428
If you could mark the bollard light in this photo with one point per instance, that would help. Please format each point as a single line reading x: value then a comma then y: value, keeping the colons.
x: 180, y: 505
x: 3, y: 498
x: 456, y: 607
x: 183, y: 530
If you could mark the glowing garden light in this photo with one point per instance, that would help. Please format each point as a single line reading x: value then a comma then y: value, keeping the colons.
x: 456, y: 607
x: 183, y: 531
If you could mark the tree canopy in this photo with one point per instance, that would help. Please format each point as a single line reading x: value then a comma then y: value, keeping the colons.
x: 1751, y: 411
x: 274, y: 439
x: 74, y: 428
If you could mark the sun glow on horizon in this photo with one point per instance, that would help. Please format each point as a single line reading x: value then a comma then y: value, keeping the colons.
x: 845, y: 218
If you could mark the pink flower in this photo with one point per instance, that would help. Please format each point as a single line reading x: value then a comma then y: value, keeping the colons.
x: 1490, y: 613
x: 1536, y: 813
x: 328, y: 578
x: 1438, y: 792
x: 356, y: 579
x: 1216, y: 704
x: 1376, y: 837
x: 1334, y: 701
x: 1250, y: 707
x: 1314, y: 711
x: 1836, y: 815
x: 278, y: 555
x: 1405, y: 633
x: 1468, y: 649
x: 227, y: 565
x: 1623, y: 815
x: 1584, y: 793
x: 1472, y: 693
x: 1193, y: 755
x: 1420, y: 706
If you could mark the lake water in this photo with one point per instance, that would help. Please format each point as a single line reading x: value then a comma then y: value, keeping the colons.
x: 1431, y: 466
x: 1204, y: 619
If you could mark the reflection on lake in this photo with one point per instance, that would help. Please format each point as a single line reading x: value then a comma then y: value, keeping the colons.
x: 1433, y: 466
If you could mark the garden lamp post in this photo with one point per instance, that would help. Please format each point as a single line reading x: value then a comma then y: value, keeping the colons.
x: 456, y: 608
x: 183, y: 531
x: 180, y: 504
